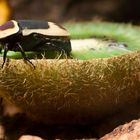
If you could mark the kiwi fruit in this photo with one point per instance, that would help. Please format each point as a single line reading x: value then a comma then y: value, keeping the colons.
x: 102, y: 77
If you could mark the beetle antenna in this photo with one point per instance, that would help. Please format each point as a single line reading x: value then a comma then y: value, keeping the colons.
x: 5, y: 54
x: 24, y: 55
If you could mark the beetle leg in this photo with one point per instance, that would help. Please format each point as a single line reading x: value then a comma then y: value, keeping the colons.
x: 24, y: 55
x: 5, y: 54
x: 55, y: 47
x: 61, y: 50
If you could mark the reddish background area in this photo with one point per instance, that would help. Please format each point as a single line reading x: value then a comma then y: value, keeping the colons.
x: 69, y: 10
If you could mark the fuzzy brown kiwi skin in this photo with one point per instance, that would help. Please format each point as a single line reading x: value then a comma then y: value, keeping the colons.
x: 72, y: 91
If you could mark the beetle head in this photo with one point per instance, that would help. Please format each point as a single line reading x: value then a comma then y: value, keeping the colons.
x: 8, y: 29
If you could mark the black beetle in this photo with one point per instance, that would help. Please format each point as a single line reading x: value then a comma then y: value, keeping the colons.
x: 32, y: 35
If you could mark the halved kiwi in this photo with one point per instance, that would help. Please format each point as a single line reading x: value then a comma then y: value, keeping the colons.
x: 100, y: 80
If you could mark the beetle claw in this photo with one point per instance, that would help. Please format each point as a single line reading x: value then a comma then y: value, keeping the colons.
x: 24, y: 55
x: 5, y: 54
x: 27, y: 60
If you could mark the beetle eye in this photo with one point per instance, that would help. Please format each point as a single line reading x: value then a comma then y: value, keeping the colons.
x: 7, y: 25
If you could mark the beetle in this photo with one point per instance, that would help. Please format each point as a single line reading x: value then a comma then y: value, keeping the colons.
x: 33, y: 35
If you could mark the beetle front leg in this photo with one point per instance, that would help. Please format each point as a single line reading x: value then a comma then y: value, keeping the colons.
x: 24, y: 55
x: 5, y: 54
